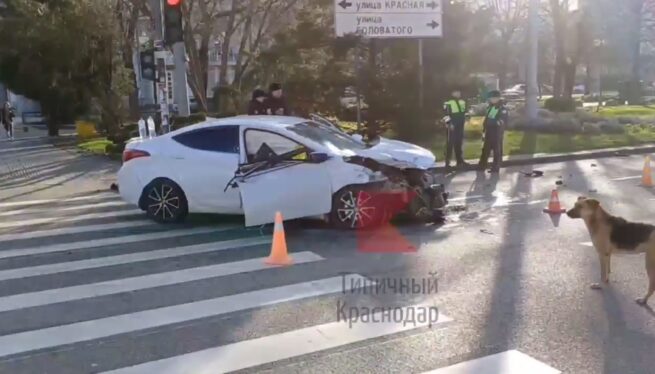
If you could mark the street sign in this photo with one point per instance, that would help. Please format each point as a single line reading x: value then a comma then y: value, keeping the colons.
x: 389, y: 18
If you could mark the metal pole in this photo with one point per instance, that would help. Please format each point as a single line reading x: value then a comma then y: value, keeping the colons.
x: 155, y: 6
x: 180, y: 80
x: 533, y: 63
x: 157, y: 17
x: 420, y: 75
x: 358, y: 87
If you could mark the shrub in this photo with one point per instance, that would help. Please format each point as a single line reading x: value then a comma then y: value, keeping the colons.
x: 560, y: 104
x: 115, y: 148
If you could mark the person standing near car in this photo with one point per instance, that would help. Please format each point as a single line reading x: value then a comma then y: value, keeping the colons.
x: 455, y: 109
x: 277, y: 103
x: 8, y: 119
x: 493, y: 129
x: 258, y: 105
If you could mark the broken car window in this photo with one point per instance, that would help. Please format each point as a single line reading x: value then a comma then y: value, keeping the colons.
x: 280, y: 145
x: 325, y: 136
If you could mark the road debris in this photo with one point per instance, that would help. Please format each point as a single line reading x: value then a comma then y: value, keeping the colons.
x: 485, y: 231
x: 533, y: 174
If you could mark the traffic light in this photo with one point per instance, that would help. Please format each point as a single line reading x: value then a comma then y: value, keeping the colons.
x: 173, y: 21
x: 147, y: 59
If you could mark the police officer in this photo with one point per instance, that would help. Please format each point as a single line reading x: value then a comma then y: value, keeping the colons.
x: 493, y: 128
x: 455, y: 110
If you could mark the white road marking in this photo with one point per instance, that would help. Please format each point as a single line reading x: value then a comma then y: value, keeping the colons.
x: 62, y: 200
x: 509, y: 362
x: 60, y: 295
x: 110, y: 241
x: 82, y: 217
x: 129, y: 258
x: 268, y: 349
x: 14, y: 149
x: 65, y: 208
x: 104, y: 327
x: 626, y: 178
x: 75, y: 230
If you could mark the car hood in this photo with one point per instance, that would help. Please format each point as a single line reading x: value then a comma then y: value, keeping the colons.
x: 397, y: 153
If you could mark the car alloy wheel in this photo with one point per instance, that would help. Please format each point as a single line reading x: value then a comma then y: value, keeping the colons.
x: 356, y: 209
x: 164, y: 203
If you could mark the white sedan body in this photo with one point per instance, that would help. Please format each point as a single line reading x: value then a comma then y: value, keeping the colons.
x: 202, y: 160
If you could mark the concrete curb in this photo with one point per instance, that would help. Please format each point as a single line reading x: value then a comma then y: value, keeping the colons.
x: 545, y: 158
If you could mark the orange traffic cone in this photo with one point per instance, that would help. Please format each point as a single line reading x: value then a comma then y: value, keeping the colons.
x: 279, y: 255
x: 554, y: 206
x: 647, y: 177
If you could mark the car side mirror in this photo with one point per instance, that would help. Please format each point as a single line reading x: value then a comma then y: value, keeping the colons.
x: 318, y: 157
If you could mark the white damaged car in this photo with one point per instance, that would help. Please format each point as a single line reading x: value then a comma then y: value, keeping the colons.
x: 258, y: 165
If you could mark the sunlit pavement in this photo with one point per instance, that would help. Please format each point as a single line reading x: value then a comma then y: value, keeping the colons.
x: 88, y: 285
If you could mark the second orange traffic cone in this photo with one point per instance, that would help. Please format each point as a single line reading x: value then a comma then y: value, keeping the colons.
x: 647, y: 177
x: 279, y: 255
x: 554, y: 206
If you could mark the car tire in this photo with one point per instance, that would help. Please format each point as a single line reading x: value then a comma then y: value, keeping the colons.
x: 164, y: 201
x: 356, y: 208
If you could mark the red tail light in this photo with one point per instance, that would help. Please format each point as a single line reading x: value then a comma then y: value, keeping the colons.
x: 130, y: 154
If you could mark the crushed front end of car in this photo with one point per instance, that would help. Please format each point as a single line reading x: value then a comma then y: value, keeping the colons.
x: 405, y: 190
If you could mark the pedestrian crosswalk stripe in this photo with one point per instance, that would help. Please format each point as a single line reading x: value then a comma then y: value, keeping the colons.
x: 75, y: 230
x: 130, y: 258
x: 111, y: 241
x: 509, y: 362
x: 272, y: 348
x: 61, y: 200
x: 14, y: 149
x: 60, y: 295
x: 82, y: 217
x: 104, y: 327
x: 62, y: 209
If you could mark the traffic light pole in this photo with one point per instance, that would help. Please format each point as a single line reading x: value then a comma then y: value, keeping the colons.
x: 180, y: 80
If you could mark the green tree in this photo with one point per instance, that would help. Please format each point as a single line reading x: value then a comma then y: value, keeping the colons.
x: 66, y: 55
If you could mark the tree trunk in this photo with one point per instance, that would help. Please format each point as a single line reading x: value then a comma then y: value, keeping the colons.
x: 560, y: 50
x: 225, y: 46
x: 634, y: 91
x: 504, y: 60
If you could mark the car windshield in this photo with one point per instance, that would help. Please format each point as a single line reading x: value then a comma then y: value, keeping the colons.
x: 326, y: 136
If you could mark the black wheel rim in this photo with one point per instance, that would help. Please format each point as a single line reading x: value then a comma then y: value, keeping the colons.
x: 163, y: 202
x: 356, y: 209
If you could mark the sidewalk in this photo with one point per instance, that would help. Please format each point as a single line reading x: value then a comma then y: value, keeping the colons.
x: 34, y: 132
x: 547, y: 158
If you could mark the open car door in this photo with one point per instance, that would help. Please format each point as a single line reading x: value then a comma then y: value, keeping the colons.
x: 282, y: 176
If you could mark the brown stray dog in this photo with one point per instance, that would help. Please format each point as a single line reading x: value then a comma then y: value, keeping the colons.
x: 611, y: 234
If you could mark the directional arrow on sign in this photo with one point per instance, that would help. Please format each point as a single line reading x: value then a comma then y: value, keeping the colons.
x: 433, y: 24
x: 433, y: 5
x: 344, y: 4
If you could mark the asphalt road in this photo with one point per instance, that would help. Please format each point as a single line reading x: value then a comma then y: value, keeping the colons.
x: 87, y: 285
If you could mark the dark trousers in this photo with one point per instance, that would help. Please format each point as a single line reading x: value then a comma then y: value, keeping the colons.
x: 493, y: 142
x: 455, y: 143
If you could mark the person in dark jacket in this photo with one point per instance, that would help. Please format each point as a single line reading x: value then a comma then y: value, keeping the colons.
x: 7, y: 119
x: 277, y: 103
x: 258, y: 105
x: 493, y: 128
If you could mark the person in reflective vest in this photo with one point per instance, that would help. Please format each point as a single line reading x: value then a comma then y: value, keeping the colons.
x: 494, y: 124
x: 455, y: 109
